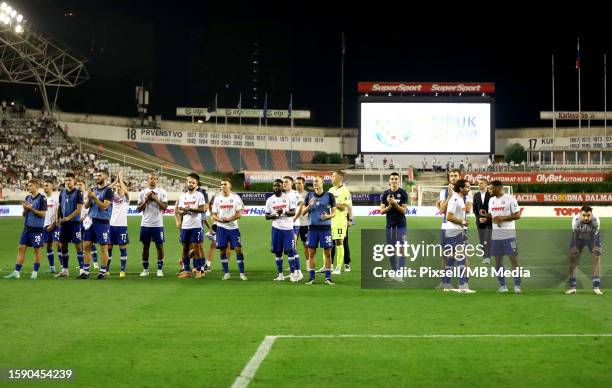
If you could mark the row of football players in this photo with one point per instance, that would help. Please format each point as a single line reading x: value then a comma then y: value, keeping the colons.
x: 85, y: 217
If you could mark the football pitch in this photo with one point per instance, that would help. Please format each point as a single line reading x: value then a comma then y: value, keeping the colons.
x: 152, y: 331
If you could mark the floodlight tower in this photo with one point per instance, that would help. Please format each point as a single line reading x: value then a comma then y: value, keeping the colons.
x: 29, y: 58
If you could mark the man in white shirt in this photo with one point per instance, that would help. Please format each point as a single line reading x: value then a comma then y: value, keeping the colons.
x: 50, y: 228
x: 152, y: 202
x: 297, y: 199
x: 118, y: 222
x: 454, y: 237
x: 188, y: 216
x: 226, y: 211
x: 280, y: 208
x: 503, y: 211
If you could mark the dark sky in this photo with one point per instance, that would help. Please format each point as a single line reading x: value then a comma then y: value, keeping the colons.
x: 185, y: 52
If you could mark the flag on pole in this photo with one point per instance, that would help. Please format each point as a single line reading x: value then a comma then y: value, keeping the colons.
x: 578, y: 55
x: 240, y: 102
x: 290, y: 105
x: 212, y: 107
x: 265, y: 110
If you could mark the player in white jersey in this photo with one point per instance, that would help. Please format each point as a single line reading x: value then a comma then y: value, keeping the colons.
x: 297, y: 199
x: 280, y: 208
x: 503, y: 211
x: 226, y: 211
x: 441, y: 204
x: 188, y: 216
x: 118, y: 222
x: 454, y: 236
x: 585, y: 233
x: 51, y: 231
x: 300, y: 188
x: 152, y: 202
x: 86, y: 223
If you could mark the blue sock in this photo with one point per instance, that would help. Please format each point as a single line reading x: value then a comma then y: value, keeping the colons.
x: 108, y: 264
x: 123, y: 252
x: 596, y: 282
x: 291, y: 261
x: 200, y: 263
x: 18, y: 267
x: 517, y: 281
x: 86, y: 267
x: 393, y: 262
x: 240, y: 261
x: 298, y: 266
x: 450, y: 264
x: 279, y: 264
x: 186, y: 263
x: 327, y: 273
x: 402, y: 262
x: 572, y: 282
x: 103, y: 269
x: 51, y: 257
x: 36, y: 267
x: 501, y: 279
x: 145, y: 264
x: 462, y: 270
x: 123, y: 264
x: 110, y: 252
x: 224, y: 263
x: 65, y: 258
x: 160, y: 264
x: 80, y: 259
x: 311, y: 272
x: 94, y: 253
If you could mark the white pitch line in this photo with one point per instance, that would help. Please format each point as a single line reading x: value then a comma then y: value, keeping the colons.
x: 251, y: 367
x: 264, y: 348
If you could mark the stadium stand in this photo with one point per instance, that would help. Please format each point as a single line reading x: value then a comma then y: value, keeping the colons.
x: 225, y: 159
x: 38, y: 148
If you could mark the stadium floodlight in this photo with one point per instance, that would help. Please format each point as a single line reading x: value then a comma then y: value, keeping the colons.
x: 31, y: 58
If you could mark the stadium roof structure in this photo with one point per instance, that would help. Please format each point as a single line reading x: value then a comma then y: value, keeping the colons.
x: 27, y: 57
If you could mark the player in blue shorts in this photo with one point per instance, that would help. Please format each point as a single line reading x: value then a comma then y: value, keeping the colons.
x: 188, y: 216
x: 280, y: 208
x: 118, y: 222
x: 503, y: 211
x: 34, y: 209
x: 51, y: 231
x: 152, y: 202
x: 69, y: 221
x: 454, y: 237
x: 100, y: 207
x: 585, y: 233
x: 226, y: 211
x: 321, y: 208
x: 393, y: 204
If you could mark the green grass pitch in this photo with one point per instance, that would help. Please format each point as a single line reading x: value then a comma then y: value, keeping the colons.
x: 170, y: 332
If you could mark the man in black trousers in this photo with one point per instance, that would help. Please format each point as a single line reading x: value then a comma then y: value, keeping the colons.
x: 481, y: 206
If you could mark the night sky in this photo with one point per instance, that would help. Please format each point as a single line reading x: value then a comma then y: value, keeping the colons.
x: 185, y: 52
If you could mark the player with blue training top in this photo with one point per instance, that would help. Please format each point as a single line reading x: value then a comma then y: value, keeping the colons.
x: 393, y: 204
x: 280, y: 208
x: 100, y: 207
x: 585, y: 233
x: 34, y: 210
x: 226, y: 211
x: 321, y: 208
x: 69, y: 221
